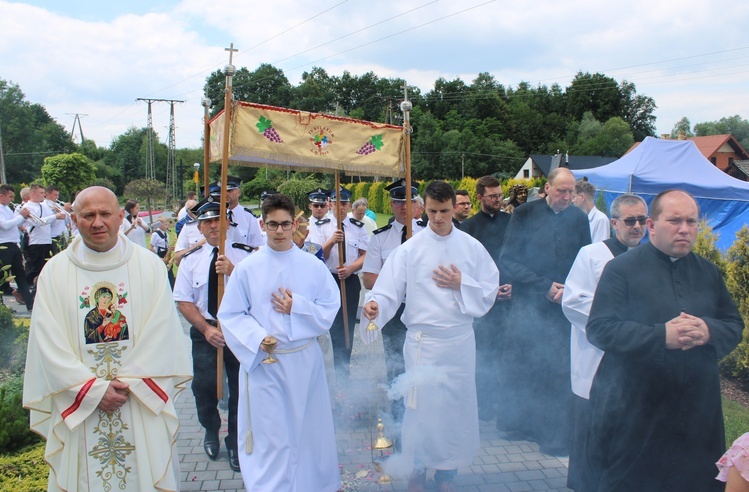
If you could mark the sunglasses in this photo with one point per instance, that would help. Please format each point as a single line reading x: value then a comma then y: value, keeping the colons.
x: 630, y: 221
x: 319, y: 205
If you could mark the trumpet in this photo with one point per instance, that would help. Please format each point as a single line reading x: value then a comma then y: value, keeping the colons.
x: 58, y: 207
x: 32, y: 216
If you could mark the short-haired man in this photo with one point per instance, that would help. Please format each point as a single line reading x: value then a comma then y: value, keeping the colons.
x: 10, y: 253
x: 59, y: 229
x: 324, y: 230
x: 382, y: 244
x: 664, y: 318
x: 286, y: 434
x: 629, y: 215
x: 541, y: 243
x: 106, y: 359
x: 196, y: 293
x: 488, y: 226
x: 462, y: 207
x: 445, y: 292
x: 39, y: 229
x: 584, y: 199
x: 189, y: 237
x: 359, y: 212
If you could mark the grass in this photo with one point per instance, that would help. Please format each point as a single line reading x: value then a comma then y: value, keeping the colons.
x: 382, y: 219
x: 736, y: 419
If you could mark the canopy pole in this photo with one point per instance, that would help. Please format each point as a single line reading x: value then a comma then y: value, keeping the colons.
x: 206, y: 102
x: 341, y: 258
x: 229, y: 71
x: 406, y: 108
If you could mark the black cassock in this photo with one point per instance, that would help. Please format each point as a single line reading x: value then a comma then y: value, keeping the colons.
x: 657, y: 420
x: 539, y: 248
x: 489, y: 330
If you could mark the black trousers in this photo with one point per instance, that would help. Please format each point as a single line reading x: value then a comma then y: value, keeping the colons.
x: 341, y: 354
x: 204, y: 362
x: 10, y: 254
x: 37, y: 256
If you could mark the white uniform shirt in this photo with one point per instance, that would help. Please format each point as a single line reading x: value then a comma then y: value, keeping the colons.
x: 247, y: 231
x: 382, y: 243
x: 600, y: 228
x: 58, y: 227
x: 577, y: 299
x: 159, y: 243
x: 40, y: 233
x: 188, y: 237
x: 9, y: 223
x: 191, y: 284
x: 356, y: 239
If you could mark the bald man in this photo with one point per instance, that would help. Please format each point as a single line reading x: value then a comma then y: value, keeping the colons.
x: 97, y: 374
x: 540, y: 245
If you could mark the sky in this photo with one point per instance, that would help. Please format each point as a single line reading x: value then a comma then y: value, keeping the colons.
x: 95, y: 58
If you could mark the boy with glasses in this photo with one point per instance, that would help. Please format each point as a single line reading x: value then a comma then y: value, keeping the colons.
x: 286, y: 433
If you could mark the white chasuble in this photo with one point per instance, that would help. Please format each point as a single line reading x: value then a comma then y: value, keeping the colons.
x: 99, y: 317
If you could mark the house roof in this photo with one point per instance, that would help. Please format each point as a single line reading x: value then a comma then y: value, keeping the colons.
x: 547, y: 162
x: 709, y: 145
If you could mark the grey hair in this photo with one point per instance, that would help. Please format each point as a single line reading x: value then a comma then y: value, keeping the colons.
x: 626, y: 199
x: 359, y: 202
x: 419, y: 200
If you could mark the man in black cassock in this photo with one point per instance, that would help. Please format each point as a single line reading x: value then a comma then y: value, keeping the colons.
x: 488, y: 226
x: 664, y: 318
x: 541, y: 243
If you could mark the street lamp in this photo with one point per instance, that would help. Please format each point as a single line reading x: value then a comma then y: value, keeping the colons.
x: 197, y: 177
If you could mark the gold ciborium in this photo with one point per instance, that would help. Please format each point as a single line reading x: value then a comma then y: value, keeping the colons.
x: 381, y: 444
x: 271, y: 346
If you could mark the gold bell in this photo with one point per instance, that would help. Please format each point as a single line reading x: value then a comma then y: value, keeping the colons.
x: 371, y: 326
x: 381, y: 442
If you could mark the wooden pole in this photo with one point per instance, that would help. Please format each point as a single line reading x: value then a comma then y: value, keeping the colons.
x: 206, y: 145
x: 406, y: 108
x: 341, y: 258
x: 229, y: 71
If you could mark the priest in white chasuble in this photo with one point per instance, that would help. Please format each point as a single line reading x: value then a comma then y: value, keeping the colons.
x: 448, y: 279
x: 106, y: 358
x: 279, y: 300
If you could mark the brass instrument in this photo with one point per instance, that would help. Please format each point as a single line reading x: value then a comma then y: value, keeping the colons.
x: 58, y: 207
x: 32, y: 216
x: 169, y: 256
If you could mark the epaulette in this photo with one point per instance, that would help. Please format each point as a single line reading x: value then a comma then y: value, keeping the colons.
x: 322, y: 221
x: 357, y: 223
x: 245, y: 247
x: 250, y: 212
x: 421, y: 223
x: 192, y: 251
x: 382, y: 229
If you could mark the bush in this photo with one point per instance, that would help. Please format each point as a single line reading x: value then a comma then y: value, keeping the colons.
x: 252, y: 189
x: 297, y: 190
x: 14, y: 419
x: 25, y: 471
x: 376, y: 197
x: 13, y: 338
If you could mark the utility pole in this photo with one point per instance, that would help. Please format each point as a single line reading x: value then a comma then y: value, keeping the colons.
x: 2, y: 160
x: 150, y: 158
x: 77, y: 120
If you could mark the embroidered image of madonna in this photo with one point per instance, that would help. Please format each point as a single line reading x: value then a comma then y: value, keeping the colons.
x: 105, y: 323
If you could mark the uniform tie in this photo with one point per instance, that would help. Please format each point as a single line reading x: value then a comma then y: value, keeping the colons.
x: 403, y: 235
x: 213, y: 286
x: 230, y: 216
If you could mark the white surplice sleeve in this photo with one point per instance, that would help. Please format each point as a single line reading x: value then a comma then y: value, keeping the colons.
x: 389, y: 291
x: 478, y: 288
x: 242, y: 331
x: 312, y: 313
x: 579, y: 289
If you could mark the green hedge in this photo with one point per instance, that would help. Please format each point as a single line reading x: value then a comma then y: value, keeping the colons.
x: 25, y: 471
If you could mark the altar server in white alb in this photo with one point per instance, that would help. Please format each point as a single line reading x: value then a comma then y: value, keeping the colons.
x: 285, y: 423
x: 106, y: 358
x: 629, y: 214
x: 449, y: 279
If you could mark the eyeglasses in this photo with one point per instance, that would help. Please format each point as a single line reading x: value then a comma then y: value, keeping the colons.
x: 630, y: 221
x: 286, y: 226
x: 493, y: 196
x: 319, y: 205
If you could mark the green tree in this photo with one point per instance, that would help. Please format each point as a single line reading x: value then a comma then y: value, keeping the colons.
x: 69, y: 172
x: 315, y: 93
x: 614, y: 139
x: 297, y: 189
x: 637, y: 110
x: 596, y: 93
x: 148, y: 190
x: 735, y: 125
x: 683, y: 125
x: 265, y: 85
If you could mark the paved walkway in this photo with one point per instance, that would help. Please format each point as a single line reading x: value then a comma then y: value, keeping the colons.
x: 499, y: 466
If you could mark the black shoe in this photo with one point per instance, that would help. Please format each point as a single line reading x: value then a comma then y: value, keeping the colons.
x: 211, y: 444
x: 234, y: 460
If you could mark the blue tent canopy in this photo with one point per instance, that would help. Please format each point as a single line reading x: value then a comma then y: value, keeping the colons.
x: 657, y: 165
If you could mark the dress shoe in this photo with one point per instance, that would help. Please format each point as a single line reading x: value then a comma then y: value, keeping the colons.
x: 417, y: 482
x: 210, y: 444
x: 234, y: 460
x: 18, y: 297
